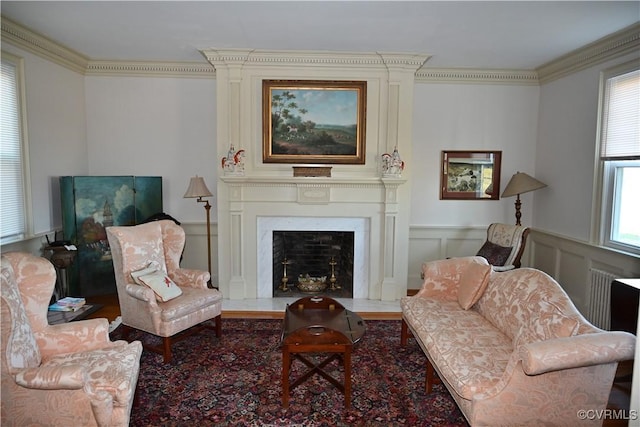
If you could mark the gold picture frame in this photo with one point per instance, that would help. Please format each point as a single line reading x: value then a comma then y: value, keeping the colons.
x: 314, y: 121
x: 470, y: 175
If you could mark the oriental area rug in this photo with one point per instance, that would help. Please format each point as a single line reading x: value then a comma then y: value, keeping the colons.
x: 236, y: 381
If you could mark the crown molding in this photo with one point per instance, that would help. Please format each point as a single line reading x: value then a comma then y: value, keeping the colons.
x: 467, y: 75
x: 284, y: 58
x: 618, y: 44
x: 156, y: 69
x: 610, y: 47
x: 40, y: 45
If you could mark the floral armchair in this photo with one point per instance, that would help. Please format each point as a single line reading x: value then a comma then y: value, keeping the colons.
x: 504, y: 246
x: 187, y: 308
x: 67, y: 374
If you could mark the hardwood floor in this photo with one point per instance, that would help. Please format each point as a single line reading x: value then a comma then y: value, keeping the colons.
x: 619, y: 400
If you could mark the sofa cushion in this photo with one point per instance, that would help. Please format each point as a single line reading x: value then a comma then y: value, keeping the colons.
x: 472, y: 284
x: 494, y: 253
x: 468, y: 351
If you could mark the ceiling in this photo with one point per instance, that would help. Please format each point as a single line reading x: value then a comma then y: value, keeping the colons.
x: 476, y: 34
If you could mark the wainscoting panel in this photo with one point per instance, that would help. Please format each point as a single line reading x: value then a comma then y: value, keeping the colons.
x: 566, y: 260
x: 432, y: 243
x: 570, y: 262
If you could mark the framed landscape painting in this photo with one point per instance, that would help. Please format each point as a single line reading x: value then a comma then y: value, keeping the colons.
x: 470, y: 175
x: 313, y: 121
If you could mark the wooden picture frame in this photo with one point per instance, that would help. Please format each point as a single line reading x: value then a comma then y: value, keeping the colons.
x: 314, y: 121
x: 470, y: 175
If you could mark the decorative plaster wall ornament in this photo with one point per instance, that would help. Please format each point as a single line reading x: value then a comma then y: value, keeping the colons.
x: 392, y: 164
x: 233, y: 164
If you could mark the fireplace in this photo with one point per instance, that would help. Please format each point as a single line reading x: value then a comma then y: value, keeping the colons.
x: 267, y: 197
x: 317, y: 262
x: 309, y: 243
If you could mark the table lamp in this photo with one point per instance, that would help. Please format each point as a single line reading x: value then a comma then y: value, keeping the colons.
x: 198, y: 189
x: 521, y: 183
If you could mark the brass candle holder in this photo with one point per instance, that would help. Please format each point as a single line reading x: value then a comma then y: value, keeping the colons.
x: 285, y: 279
x: 334, y: 286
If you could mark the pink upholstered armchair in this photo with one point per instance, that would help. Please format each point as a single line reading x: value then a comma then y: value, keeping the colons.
x: 67, y: 374
x: 192, y: 305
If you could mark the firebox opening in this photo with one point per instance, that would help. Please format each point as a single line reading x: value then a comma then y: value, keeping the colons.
x: 316, y: 262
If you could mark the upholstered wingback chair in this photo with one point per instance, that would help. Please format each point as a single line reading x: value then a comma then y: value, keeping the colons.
x: 191, y: 308
x: 504, y: 246
x: 58, y: 375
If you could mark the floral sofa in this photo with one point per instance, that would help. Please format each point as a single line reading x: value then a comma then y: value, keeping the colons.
x: 511, y: 347
x: 69, y: 374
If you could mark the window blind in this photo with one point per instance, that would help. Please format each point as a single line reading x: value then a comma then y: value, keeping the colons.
x: 621, y: 118
x: 12, y: 214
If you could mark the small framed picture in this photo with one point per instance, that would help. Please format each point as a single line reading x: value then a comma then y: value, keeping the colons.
x: 470, y: 175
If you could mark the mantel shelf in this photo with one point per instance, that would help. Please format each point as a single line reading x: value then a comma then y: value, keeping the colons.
x: 328, y: 181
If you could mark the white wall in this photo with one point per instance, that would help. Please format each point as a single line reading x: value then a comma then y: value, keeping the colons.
x: 565, y: 151
x: 56, y: 133
x: 471, y: 117
x: 155, y: 126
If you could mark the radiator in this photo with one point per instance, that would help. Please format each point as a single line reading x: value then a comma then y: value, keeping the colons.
x: 600, y: 298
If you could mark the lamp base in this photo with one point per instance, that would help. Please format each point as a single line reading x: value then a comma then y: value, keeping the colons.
x: 518, y: 213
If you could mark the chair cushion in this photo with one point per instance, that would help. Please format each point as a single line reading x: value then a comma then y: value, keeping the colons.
x: 191, y: 302
x: 495, y: 254
x: 473, y: 281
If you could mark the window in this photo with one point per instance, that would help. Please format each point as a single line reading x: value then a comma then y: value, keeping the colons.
x: 620, y: 158
x: 14, y: 224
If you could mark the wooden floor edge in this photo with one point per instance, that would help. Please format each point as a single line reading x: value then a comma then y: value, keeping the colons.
x: 241, y: 314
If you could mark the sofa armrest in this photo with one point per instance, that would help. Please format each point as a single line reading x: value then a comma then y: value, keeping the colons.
x: 70, y: 377
x: 191, y: 278
x: 577, y: 351
x: 441, y: 277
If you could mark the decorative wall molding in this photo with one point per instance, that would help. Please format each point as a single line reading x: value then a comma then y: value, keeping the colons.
x: 615, y: 45
x: 466, y: 75
x: 42, y: 46
x: 311, y: 58
x: 147, y: 69
x: 609, y: 47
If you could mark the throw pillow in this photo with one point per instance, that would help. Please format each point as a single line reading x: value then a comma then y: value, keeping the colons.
x: 494, y: 254
x: 473, y: 282
x: 162, y: 285
x: 152, y: 267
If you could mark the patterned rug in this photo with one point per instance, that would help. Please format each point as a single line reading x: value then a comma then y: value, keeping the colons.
x: 236, y: 381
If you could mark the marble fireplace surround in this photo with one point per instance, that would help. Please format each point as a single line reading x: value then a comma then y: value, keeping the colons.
x: 355, y: 197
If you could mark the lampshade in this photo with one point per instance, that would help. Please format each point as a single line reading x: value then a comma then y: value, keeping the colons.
x: 521, y: 183
x: 197, y: 188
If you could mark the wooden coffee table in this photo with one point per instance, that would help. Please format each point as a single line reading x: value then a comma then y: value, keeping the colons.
x: 319, y: 325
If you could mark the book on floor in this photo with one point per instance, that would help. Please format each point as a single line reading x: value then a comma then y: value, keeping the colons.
x: 67, y: 304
